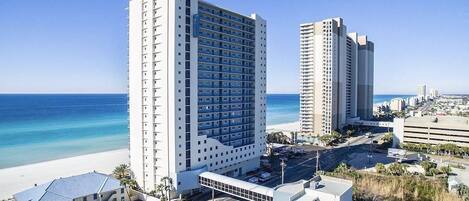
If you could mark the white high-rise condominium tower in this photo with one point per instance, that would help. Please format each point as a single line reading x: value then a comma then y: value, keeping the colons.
x: 336, y: 76
x: 197, y: 84
x: 434, y: 93
x: 422, y: 91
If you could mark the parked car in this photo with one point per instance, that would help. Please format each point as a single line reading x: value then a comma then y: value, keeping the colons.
x: 265, y: 176
x: 254, y: 180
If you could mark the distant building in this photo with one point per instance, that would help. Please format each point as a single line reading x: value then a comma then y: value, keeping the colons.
x: 422, y: 91
x: 434, y: 93
x: 413, y: 101
x: 432, y: 130
x: 397, y: 104
x: 89, y: 186
x: 336, y: 76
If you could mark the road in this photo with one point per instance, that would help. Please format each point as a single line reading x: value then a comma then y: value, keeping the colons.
x: 305, y: 167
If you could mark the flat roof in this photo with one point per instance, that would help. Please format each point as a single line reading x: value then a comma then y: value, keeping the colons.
x: 239, y: 183
x: 326, y: 184
x: 332, y: 185
x: 441, y: 120
x: 224, y: 9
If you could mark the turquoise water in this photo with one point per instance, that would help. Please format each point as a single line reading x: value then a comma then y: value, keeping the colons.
x: 35, y: 128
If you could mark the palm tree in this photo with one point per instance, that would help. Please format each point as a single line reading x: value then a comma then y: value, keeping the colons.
x: 387, y: 137
x: 122, y: 171
x: 168, y: 185
x: 129, y: 184
x: 160, y: 192
x: 123, y: 174
x: 326, y: 139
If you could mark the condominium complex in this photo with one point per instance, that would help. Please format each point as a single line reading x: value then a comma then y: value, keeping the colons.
x: 432, y: 130
x: 336, y: 76
x: 397, y: 104
x: 434, y: 93
x: 197, y: 84
x: 422, y: 91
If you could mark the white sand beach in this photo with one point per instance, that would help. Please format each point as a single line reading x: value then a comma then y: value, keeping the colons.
x: 288, y: 127
x: 16, y: 179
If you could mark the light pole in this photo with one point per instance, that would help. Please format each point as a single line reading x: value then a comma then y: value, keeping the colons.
x: 213, y: 194
x: 283, y: 165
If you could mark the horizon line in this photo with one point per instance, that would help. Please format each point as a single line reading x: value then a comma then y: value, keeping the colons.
x: 110, y: 93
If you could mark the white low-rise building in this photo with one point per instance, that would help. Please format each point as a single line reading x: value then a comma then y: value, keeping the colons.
x: 319, y: 188
x: 432, y: 130
x: 89, y: 186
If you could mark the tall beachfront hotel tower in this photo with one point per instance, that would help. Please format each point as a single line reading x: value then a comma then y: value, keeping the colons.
x: 197, y: 85
x: 336, y: 81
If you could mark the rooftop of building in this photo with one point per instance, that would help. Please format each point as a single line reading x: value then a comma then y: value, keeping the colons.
x: 441, y: 120
x: 324, y: 184
x: 238, y: 183
x: 224, y: 9
x: 68, y: 188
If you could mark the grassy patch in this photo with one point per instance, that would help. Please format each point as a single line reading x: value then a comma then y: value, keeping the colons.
x: 371, y: 186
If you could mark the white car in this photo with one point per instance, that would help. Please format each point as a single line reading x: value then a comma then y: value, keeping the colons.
x: 253, y: 180
x: 265, y: 176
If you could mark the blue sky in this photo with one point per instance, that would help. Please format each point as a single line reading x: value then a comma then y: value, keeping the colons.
x: 81, y: 45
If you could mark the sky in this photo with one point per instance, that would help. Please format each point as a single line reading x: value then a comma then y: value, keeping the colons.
x: 80, y: 46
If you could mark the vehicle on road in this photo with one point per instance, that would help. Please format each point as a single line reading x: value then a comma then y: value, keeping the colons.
x: 265, y: 176
x: 368, y: 135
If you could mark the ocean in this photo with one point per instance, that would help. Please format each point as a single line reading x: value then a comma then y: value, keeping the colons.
x: 42, y: 127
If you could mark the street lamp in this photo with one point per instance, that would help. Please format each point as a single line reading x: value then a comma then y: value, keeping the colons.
x: 283, y: 165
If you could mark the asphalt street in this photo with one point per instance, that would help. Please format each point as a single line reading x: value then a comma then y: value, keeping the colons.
x: 304, y: 167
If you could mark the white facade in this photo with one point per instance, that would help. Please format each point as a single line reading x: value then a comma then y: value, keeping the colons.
x: 422, y: 91
x: 413, y: 101
x: 434, y: 93
x: 433, y: 130
x: 335, y: 69
x: 197, y: 82
x: 397, y: 104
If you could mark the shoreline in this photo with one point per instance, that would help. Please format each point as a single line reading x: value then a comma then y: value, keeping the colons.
x: 287, y: 127
x: 19, y: 178
x: 26, y: 176
x: 290, y: 126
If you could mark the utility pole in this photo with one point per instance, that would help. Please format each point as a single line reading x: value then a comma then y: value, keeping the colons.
x: 317, y: 161
x: 283, y: 165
